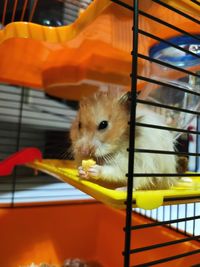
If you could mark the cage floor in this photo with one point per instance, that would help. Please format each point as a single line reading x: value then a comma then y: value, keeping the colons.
x: 89, y: 231
x: 65, y: 171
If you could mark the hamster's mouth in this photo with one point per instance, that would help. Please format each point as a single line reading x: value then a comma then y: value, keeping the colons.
x: 105, y: 159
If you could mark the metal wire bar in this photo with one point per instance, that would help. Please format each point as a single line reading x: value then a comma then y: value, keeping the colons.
x: 8, y: 145
x: 170, y: 66
x: 163, y: 212
x: 134, y: 53
x: 170, y: 201
x: 18, y: 143
x: 53, y: 203
x: 194, y: 222
x: 25, y: 138
x: 4, y: 12
x: 33, y: 118
x: 163, y: 152
x: 160, y: 245
x: 14, y: 10
x: 186, y: 198
x: 197, y: 144
x: 167, y: 107
x: 151, y: 263
x: 55, y: 197
x: 171, y: 26
x: 139, y: 124
x: 33, y: 10
x: 178, y: 11
x: 166, y: 174
x: 185, y: 223
x: 40, y: 189
x: 177, y: 215
x: 170, y: 212
x: 121, y: 3
x: 77, y: 3
x: 195, y: 2
x: 153, y: 224
x: 23, y: 10
x: 151, y: 80
x: 152, y: 36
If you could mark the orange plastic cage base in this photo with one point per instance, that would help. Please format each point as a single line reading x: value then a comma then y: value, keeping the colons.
x: 88, y: 231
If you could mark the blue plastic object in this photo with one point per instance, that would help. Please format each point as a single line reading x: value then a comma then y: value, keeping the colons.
x: 167, y: 53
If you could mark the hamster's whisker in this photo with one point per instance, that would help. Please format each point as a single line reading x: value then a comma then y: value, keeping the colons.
x: 108, y: 158
x: 112, y: 159
x: 67, y: 154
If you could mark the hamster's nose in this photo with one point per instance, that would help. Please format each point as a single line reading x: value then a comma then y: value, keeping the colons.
x: 87, y: 151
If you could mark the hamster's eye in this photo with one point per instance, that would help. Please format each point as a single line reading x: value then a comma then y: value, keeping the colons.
x: 79, y: 125
x: 103, y: 125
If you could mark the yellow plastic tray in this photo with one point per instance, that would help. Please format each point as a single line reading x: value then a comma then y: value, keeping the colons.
x: 65, y: 171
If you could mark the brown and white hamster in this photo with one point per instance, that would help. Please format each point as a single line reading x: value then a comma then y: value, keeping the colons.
x: 101, y: 132
x: 67, y: 263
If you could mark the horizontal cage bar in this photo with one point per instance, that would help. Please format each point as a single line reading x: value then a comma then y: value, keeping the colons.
x: 160, y: 245
x: 171, y: 26
x: 154, y: 224
x: 167, y: 107
x: 151, y: 263
x: 177, y: 11
x: 151, y: 80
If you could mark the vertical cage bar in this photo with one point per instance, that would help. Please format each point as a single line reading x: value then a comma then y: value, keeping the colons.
x: 177, y: 216
x: 33, y: 10
x: 24, y: 10
x: 194, y: 221
x: 131, y: 136
x: 185, y: 224
x: 4, y: 12
x: 197, y: 160
x: 18, y: 143
x: 14, y: 10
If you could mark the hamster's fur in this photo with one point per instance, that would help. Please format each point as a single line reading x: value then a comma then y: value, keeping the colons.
x: 108, y: 145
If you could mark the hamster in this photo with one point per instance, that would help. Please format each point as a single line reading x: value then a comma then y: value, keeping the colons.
x: 101, y: 132
x: 67, y: 263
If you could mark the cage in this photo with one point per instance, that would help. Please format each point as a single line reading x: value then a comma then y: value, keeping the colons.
x: 46, y: 66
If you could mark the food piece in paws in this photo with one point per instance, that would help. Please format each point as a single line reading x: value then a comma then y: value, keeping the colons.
x: 86, y: 164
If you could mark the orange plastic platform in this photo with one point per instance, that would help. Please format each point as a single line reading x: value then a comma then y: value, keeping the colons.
x: 85, y: 54
x: 89, y: 231
x: 81, y: 54
x: 191, y: 7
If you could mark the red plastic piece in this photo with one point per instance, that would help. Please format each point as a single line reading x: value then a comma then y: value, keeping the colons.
x: 22, y: 157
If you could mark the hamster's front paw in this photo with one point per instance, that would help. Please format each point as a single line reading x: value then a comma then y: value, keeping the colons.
x: 82, y: 173
x: 93, y: 172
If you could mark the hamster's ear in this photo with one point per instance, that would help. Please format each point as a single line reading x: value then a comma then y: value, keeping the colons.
x: 125, y: 99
